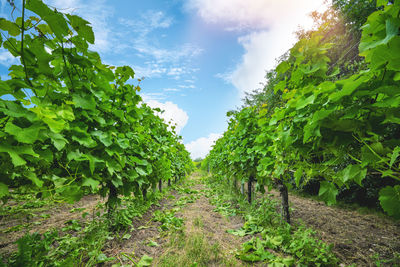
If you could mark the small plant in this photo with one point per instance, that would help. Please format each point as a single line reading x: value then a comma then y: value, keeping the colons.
x: 168, y: 220
x: 274, y: 236
x: 198, y: 222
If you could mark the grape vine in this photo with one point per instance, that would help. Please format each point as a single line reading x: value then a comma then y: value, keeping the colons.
x: 71, y: 125
x: 339, y: 130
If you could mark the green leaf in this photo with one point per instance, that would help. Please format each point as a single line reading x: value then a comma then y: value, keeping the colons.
x: 145, y: 261
x: 140, y: 171
x: 282, y: 67
x: 280, y: 86
x: 297, y: 176
x: 71, y: 193
x: 26, y: 135
x: 368, y: 157
x: 92, y: 161
x: 3, y: 190
x: 153, y: 244
x: 395, y: 154
x: 82, y: 27
x: 10, y: 27
x: 380, y: 3
x: 389, y: 198
x: 90, y: 183
x: 396, y: 77
x: 58, y: 140
x: 123, y: 143
x: 354, y: 173
x: 126, y: 236
x: 83, y: 138
x: 84, y: 101
x: 104, y: 137
x: 349, y: 86
x: 13, y: 109
x: 32, y: 176
x: 328, y: 192
x: 15, y: 153
x: 55, y: 126
x: 66, y: 113
x: 54, y: 19
x: 301, y: 103
x: 251, y: 257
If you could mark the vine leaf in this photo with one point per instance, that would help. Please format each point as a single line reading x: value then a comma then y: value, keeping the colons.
x: 3, y: 190
x: 395, y: 154
x: 54, y: 19
x: 389, y: 198
x: 328, y: 192
x: 82, y: 27
x: 10, y: 27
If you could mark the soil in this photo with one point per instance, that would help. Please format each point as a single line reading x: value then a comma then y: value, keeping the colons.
x: 34, y: 222
x: 355, y: 237
x: 214, y: 225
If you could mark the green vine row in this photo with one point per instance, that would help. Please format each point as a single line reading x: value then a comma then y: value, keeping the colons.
x: 71, y: 125
x: 316, y: 126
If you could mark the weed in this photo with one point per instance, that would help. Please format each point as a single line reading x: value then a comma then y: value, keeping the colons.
x: 274, y: 240
x: 193, y: 250
x: 198, y: 222
x: 168, y: 220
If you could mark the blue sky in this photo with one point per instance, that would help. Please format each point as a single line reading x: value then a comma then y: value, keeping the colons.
x: 197, y: 57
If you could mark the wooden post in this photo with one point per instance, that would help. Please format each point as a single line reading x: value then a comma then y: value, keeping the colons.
x: 144, y: 193
x: 249, y: 183
x: 285, y: 200
x: 160, y: 185
x: 111, y: 201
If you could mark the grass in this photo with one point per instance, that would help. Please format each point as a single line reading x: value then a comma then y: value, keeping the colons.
x: 348, y: 206
x: 272, y: 241
x: 193, y: 249
x: 198, y: 222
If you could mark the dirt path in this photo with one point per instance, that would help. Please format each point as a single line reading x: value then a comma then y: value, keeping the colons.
x: 356, y: 237
x: 42, y: 219
x: 203, y: 240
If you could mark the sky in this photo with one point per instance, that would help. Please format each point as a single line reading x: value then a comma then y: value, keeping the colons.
x: 198, y: 58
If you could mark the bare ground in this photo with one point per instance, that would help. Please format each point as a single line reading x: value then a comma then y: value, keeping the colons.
x: 43, y: 219
x: 355, y: 237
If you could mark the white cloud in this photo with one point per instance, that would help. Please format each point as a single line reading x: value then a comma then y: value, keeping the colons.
x: 6, y: 59
x: 172, y: 61
x: 267, y: 26
x: 172, y: 113
x: 171, y: 90
x: 98, y: 13
x: 199, y: 148
x: 185, y: 86
x: 148, y: 22
x: 260, y: 56
x: 252, y: 14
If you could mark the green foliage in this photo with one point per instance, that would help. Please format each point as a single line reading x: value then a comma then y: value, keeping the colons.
x: 168, y: 220
x: 273, y: 240
x: 75, y: 125
x: 390, y: 200
x: 315, y: 122
x: 79, y: 244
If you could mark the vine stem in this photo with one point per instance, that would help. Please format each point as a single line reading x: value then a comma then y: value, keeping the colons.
x: 22, y: 43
